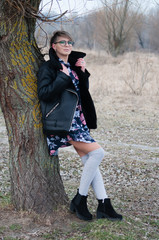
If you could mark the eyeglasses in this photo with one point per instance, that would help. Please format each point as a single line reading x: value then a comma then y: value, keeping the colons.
x: 63, y: 43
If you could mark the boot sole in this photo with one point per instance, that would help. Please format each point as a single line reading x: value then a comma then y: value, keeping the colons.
x: 103, y: 215
x: 74, y: 210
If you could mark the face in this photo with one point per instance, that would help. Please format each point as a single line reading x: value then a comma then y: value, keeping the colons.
x: 62, y: 50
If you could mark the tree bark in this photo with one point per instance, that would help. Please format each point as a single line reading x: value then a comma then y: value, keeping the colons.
x: 36, y: 183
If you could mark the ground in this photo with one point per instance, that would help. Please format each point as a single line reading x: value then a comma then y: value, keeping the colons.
x: 128, y: 130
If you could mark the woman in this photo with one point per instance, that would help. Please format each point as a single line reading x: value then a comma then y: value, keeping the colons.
x: 64, y: 76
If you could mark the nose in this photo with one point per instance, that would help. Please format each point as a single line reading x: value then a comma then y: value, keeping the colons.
x: 66, y: 44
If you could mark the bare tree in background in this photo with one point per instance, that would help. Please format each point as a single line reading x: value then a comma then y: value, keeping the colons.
x: 35, y: 178
x: 153, y: 29
x: 84, y: 31
x: 115, y: 21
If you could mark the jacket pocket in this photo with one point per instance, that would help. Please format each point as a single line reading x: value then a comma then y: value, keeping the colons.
x: 52, y: 109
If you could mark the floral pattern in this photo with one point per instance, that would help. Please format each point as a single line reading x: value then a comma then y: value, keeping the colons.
x: 78, y: 131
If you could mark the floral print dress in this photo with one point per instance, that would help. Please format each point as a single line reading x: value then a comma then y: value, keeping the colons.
x: 78, y: 131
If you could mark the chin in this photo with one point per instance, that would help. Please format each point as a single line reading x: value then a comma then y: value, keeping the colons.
x: 67, y: 52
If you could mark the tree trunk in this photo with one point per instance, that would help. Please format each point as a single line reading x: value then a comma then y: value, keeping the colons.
x: 36, y: 183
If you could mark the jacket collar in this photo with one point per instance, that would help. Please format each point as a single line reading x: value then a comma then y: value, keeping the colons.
x: 54, y: 59
x: 74, y: 55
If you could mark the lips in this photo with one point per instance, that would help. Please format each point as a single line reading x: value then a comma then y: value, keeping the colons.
x: 67, y: 49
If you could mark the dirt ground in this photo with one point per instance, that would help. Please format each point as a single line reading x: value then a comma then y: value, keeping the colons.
x: 128, y: 130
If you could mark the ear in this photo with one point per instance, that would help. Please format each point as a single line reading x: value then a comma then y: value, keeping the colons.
x: 54, y: 46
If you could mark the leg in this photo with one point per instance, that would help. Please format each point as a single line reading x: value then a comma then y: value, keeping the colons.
x: 105, y: 208
x: 84, y: 148
x: 95, y: 155
x: 97, y: 183
x: 91, y: 173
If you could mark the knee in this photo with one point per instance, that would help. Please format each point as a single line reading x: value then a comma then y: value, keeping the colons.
x: 99, y: 153
x: 102, y: 152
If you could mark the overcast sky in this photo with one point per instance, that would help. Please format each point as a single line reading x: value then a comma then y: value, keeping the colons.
x: 78, y: 6
x: 83, y: 6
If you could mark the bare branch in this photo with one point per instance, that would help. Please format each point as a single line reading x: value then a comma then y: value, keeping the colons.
x: 25, y: 9
x: 119, y: 21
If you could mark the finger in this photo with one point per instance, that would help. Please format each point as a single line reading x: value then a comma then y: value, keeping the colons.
x: 80, y: 60
x: 64, y: 69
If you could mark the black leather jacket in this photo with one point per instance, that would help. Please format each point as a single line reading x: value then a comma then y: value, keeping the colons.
x: 54, y: 85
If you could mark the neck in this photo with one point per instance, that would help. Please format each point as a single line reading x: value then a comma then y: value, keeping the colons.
x: 64, y: 58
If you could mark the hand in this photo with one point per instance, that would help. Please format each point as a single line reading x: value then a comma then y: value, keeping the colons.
x: 81, y: 63
x: 64, y: 69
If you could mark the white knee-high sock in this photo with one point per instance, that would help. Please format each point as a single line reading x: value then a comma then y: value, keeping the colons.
x: 90, y: 170
x: 97, y: 182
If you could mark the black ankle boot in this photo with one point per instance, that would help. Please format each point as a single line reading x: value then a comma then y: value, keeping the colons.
x: 106, y: 210
x: 79, y: 206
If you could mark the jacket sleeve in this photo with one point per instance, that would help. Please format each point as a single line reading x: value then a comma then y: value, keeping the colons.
x: 83, y: 76
x: 50, y: 84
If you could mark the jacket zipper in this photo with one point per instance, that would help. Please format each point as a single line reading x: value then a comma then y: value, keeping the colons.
x: 52, y: 110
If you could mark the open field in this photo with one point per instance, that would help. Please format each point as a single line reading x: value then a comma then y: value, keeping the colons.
x: 126, y: 95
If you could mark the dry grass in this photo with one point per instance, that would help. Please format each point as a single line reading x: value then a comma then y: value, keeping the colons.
x: 136, y: 73
x: 128, y: 130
